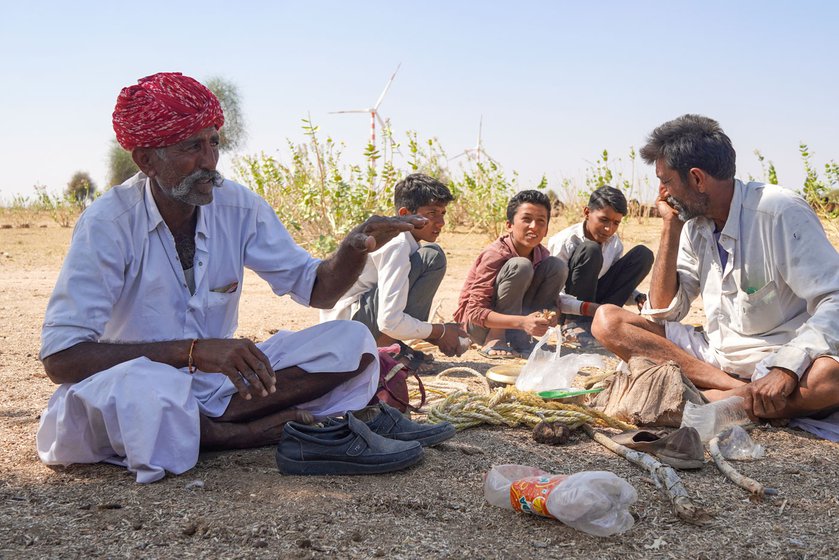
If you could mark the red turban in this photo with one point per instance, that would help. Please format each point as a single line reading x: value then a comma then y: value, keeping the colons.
x: 164, y: 109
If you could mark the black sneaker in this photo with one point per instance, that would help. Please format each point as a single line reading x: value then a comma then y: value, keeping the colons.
x: 343, y: 448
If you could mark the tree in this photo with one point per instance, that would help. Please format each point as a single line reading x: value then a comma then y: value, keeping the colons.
x: 233, y: 133
x: 120, y: 164
x: 81, y: 188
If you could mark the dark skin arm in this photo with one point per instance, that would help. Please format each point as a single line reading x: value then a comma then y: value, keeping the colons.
x: 339, y: 272
x: 238, y: 359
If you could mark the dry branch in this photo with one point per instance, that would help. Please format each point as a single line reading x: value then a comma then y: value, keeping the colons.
x: 665, y: 476
x: 756, y: 488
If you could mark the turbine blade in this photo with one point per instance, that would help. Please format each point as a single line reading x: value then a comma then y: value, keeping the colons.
x: 387, y: 87
x: 350, y: 111
x: 381, y: 123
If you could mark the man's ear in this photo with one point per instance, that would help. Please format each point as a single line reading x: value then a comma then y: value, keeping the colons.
x: 403, y: 212
x: 143, y: 157
x: 700, y: 179
x: 586, y: 212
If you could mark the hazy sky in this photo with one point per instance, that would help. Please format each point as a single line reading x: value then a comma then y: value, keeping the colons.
x: 556, y: 82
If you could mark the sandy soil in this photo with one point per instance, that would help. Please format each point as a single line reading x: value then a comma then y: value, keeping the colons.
x: 246, y: 509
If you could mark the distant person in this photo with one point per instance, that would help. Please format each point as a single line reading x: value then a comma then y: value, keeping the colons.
x: 598, y: 271
x: 394, y: 292
x: 767, y: 275
x: 138, y: 331
x: 512, y: 281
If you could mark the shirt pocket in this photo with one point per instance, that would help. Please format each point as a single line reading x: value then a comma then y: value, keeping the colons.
x: 222, y: 311
x: 760, y: 312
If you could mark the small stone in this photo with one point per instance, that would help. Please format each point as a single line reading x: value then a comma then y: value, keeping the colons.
x: 197, y: 483
x: 304, y: 543
x: 137, y: 525
x: 190, y: 529
x: 260, y: 544
x: 357, y: 537
x: 101, y: 507
x: 551, y: 433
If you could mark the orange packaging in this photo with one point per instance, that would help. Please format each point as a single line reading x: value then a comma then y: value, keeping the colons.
x: 530, y: 495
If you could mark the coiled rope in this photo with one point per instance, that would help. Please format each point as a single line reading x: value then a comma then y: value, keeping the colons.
x: 466, y: 408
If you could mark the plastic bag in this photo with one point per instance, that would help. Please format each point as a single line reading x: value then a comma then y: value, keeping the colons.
x: 546, y: 370
x: 595, y: 502
x: 735, y: 444
x: 712, y: 418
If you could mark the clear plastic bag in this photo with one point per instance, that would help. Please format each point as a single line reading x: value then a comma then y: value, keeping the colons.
x: 595, y: 502
x: 546, y: 370
x: 736, y: 445
x: 712, y: 418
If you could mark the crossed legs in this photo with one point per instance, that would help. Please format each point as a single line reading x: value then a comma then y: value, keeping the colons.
x: 628, y: 335
x: 259, y: 421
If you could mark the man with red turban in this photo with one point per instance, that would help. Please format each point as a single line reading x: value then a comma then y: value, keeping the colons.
x: 139, y: 328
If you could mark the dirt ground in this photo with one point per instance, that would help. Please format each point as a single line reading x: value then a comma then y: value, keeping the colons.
x: 244, y: 508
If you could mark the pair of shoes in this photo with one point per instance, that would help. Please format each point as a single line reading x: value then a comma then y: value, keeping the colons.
x: 343, y: 448
x: 681, y: 449
x: 509, y: 353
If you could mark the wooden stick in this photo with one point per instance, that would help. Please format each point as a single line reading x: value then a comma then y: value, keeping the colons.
x: 756, y: 488
x: 665, y: 477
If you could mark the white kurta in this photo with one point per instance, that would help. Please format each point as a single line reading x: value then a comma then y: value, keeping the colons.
x: 122, y: 282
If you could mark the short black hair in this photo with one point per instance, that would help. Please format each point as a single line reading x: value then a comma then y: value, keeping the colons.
x: 525, y: 197
x: 608, y: 196
x: 418, y: 189
x: 692, y: 141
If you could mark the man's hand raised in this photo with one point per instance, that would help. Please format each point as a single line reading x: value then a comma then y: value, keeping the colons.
x: 378, y: 230
x: 240, y: 360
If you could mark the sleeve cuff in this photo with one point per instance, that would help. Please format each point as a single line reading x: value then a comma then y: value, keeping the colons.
x: 789, y: 357
x: 669, y: 313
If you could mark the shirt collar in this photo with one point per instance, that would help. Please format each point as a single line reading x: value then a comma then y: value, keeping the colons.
x: 539, y: 252
x: 732, y: 223
x: 412, y: 241
x: 153, y: 214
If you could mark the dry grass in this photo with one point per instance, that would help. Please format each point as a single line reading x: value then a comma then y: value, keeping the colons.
x: 435, y: 510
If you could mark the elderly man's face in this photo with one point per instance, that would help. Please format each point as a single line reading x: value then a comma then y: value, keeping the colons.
x: 186, y: 171
x: 682, y: 196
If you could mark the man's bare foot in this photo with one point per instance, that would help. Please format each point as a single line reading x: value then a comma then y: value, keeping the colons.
x: 254, y: 433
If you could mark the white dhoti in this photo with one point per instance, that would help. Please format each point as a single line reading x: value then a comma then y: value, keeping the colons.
x: 144, y: 415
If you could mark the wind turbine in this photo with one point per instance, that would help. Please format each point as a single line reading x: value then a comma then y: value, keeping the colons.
x: 478, y: 151
x: 374, y: 111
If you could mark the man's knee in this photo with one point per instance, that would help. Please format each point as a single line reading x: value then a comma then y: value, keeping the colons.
x: 588, y: 252
x: 607, y: 319
x: 823, y: 371
x: 518, y: 267
x: 555, y: 268
x: 432, y: 256
x: 643, y: 255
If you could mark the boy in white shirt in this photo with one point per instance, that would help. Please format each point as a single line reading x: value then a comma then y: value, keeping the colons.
x: 393, y: 295
x: 598, y: 271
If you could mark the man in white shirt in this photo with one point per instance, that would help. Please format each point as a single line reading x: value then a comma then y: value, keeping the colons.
x: 394, y: 292
x: 759, y: 257
x: 138, y: 328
